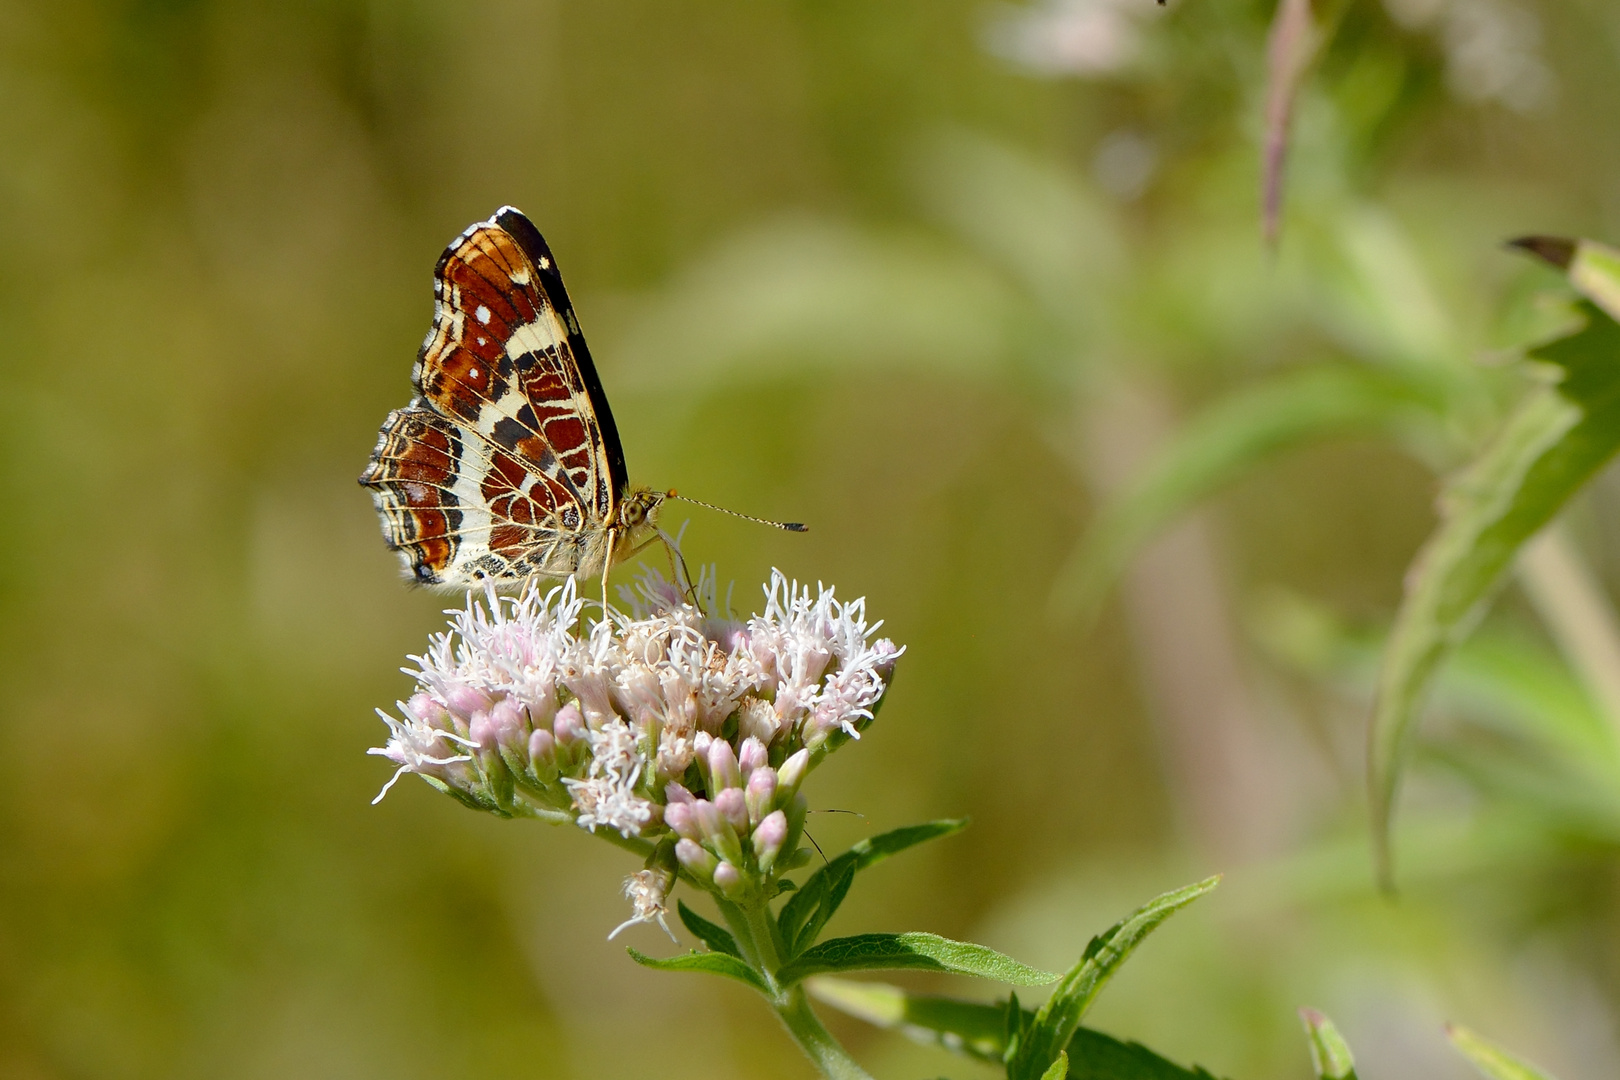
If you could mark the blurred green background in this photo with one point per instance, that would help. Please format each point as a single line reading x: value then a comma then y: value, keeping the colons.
x: 940, y: 278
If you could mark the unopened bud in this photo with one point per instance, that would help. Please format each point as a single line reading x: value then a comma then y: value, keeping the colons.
x: 700, y: 753
x: 679, y: 817
x: 467, y: 700
x: 677, y: 793
x: 697, y: 860
x: 761, y: 793
x: 728, y: 879
x: 723, y: 770
x: 509, y: 721
x: 428, y: 709
x: 569, y: 724
x: 716, y: 830
x: 542, y: 747
x: 791, y: 775
x: 734, y: 806
x: 769, y: 837
x: 751, y: 757
x: 482, y: 731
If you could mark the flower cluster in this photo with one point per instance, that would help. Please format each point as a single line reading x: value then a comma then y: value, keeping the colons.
x: 666, y: 723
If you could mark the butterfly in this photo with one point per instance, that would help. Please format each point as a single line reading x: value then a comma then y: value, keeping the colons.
x: 507, y: 464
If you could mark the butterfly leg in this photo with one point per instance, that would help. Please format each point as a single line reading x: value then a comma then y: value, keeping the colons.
x: 607, y: 566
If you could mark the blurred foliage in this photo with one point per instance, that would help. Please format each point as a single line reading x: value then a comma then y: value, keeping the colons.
x: 888, y: 268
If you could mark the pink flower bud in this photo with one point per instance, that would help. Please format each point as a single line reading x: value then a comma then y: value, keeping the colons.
x: 569, y: 724
x: 723, y: 771
x: 677, y: 793
x: 734, y: 807
x: 696, y: 860
x: 791, y: 774
x: 542, y: 747
x: 700, y: 753
x: 709, y: 820
x: 483, y: 732
x: 716, y: 830
x: 727, y: 878
x: 751, y: 757
x: 768, y: 838
x: 508, y: 722
x: 761, y: 792
x: 467, y: 700
x: 679, y: 816
x: 428, y: 709
x: 887, y: 653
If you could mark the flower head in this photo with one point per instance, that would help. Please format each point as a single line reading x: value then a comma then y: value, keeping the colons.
x: 666, y: 723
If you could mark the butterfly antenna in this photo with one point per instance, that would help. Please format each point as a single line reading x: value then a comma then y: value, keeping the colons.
x: 789, y: 526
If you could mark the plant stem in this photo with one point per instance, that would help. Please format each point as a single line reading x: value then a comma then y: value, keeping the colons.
x: 1571, y: 601
x: 757, y: 937
x: 814, y: 1039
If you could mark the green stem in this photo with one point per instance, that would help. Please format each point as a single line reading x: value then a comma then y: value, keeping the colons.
x: 757, y: 937
x: 816, y: 1041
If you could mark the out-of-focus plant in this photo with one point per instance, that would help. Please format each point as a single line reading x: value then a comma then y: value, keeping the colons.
x: 1331, y: 1057
x: 1545, y: 451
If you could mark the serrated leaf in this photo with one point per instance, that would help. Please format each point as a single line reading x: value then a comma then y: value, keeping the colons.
x: 806, y: 912
x: 1057, y: 1020
x: 715, y: 963
x: 1223, y: 443
x: 912, y: 951
x: 1548, y: 448
x: 716, y: 938
x: 1491, y: 1060
x: 1330, y: 1054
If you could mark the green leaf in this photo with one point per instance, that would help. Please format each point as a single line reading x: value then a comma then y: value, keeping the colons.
x: 806, y: 912
x: 1095, y: 1056
x: 1059, y: 1069
x: 1330, y: 1055
x: 966, y: 1027
x: 715, y: 963
x: 1220, y: 445
x: 980, y: 1030
x: 1593, y: 268
x: 1491, y: 1060
x: 1547, y: 449
x: 1057, y: 1020
x: 715, y: 937
x: 913, y: 951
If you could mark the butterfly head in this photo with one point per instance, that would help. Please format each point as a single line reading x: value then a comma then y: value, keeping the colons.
x: 639, y: 509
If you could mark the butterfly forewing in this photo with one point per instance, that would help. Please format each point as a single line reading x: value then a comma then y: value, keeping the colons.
x: 508, y: 464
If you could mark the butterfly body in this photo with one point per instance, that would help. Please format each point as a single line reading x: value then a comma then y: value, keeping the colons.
x: 507, y: 464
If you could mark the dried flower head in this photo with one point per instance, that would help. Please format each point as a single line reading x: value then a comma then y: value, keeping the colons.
x: 666, y: 723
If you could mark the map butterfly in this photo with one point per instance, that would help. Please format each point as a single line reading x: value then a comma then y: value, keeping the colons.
x: 507, y: 464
